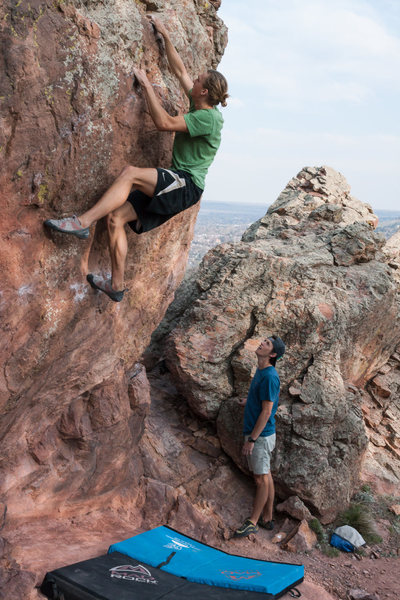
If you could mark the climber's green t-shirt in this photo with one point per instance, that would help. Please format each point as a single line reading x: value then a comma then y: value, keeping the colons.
x: 194, y: 151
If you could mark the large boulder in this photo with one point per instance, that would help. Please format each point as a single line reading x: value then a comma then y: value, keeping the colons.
x: 71, y: 118
x: 73, y: 401
x: 311, y: 270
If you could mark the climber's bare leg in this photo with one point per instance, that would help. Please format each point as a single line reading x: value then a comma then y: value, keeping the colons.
x: 144, y: 180
x: 117, y: 242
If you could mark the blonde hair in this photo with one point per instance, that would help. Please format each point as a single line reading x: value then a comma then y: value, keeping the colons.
x: 217, y: 87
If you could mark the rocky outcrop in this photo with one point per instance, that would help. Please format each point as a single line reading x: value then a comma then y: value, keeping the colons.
x: 313, y: 271
x: 72, y: 403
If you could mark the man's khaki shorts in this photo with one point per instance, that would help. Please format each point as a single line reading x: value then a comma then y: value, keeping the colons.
x: 260, y: 459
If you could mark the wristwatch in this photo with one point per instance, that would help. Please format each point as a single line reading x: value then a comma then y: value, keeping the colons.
x: 250, y: 439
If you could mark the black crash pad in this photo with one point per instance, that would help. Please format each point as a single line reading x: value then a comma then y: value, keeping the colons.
x: 116, y: 576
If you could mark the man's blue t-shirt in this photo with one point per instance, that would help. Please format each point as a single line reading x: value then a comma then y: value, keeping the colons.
x: 264, y: 387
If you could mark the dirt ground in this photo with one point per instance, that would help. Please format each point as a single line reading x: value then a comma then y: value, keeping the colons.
x: 372, y: 573
x: 342, y: 574
x: 326, y: 578
x: 375, y: 570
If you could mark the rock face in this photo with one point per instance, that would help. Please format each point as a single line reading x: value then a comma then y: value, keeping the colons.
x: 381, y: 409
x: 73, y: 401
x: 71, y: 118
x: 313, y: 271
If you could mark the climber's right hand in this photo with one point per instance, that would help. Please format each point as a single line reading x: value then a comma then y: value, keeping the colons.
x: 159, y: 25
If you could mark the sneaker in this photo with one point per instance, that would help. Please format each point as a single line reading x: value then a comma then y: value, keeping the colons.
x: 104, y: 285
x: 69, y: 225
x: 246, y: 529
x: 266, y: 524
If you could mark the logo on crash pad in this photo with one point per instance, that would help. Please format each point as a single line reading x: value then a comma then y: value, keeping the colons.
x: 137, y: 573
x: 177, y: 543
x: 236, y: 575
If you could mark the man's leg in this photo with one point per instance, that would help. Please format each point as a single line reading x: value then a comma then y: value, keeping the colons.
x: 258, y: 461
x: 117, y: 242
x: 269, y: 506
x: 261, y: 498
x: 144, y: 180
x: 250, y: 525
x: 118, y: 246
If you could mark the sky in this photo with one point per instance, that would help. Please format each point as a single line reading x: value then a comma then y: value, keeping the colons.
x: 312, y: 82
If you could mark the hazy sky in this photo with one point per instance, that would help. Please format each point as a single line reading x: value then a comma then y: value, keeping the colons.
x: 312, y: 82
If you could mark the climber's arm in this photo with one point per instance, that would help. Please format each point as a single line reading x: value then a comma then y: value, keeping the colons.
x: 174, y: 60
x: 162, y: 120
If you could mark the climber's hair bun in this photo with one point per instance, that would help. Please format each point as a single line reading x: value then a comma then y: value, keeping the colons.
x: 217, y: 87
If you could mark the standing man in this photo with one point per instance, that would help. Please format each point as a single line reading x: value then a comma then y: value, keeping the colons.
x: 259, y: 433
x: 147, y: 198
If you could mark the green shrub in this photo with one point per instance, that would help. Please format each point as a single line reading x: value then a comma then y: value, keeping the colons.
x: 364, y: 498
x: 358, y: 516
x: 365, y: 495
x: 367, y: 488
x: 317, y: 528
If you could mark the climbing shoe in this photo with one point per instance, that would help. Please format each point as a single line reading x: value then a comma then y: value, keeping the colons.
x: 246, y: 529
x: 69, y: 225
x: 265, y: 524
x: 104, y: 285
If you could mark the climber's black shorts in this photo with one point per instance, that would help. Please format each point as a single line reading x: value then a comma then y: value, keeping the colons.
x: 175, y: 191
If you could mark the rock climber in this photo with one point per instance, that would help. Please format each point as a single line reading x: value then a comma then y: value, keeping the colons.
x: 259, y: 433
x: 147, y: 197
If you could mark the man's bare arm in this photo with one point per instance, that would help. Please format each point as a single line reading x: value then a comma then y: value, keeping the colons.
x: 259, y: 426
x: 174, y: 60
x: 162, y: 120
x: 262, y: 419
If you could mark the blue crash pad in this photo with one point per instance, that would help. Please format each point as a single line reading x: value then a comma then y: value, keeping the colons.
x: 180, y: 555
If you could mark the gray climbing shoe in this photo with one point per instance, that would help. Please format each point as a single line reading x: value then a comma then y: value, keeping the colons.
x: 104, y: 285
x: 69, y: 225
